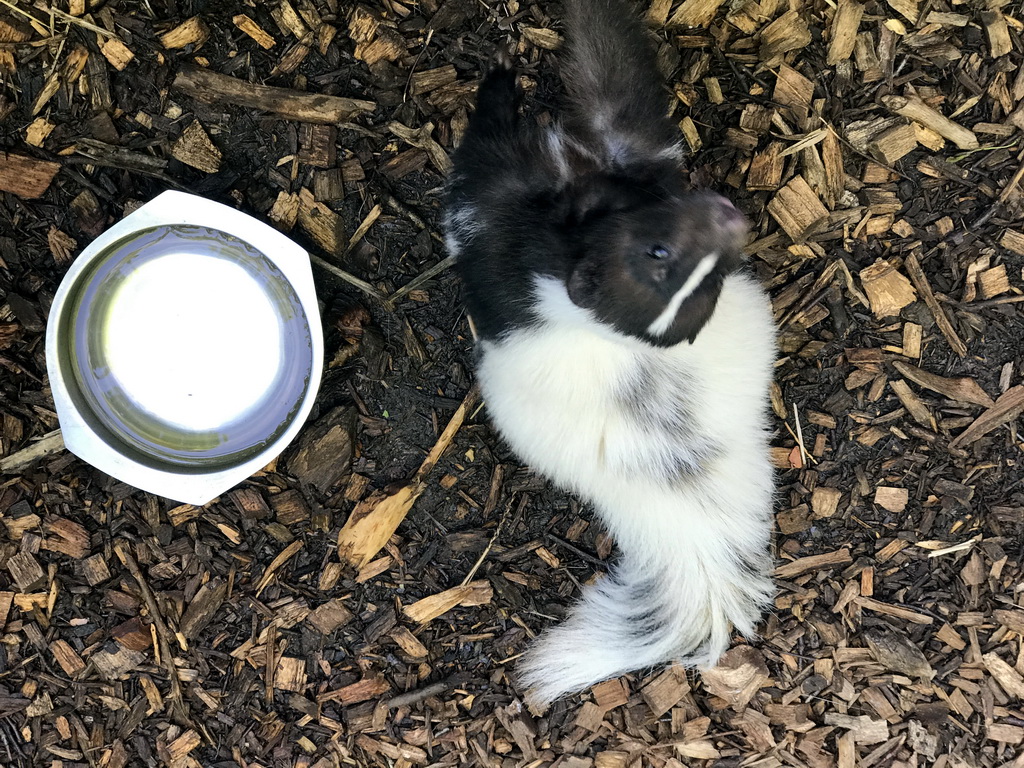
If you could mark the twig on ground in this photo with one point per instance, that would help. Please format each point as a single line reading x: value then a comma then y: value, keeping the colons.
x: 362, y: 229
x: 414, y: 697
x: 1011, y: 185
x: 402, y: 209
x: 573, y: 548
x: 48, y: 444
x: 924, y: 290
x: 490, y: 544
x: 213, y: 87
x: 800, y: 436
x: 67, y: 17
x: 178, y: 704
x: 348, y: 277
x: 424, y: 277
x: 375, y: 519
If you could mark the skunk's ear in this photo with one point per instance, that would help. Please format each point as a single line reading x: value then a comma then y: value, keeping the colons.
x: 589, y: 198
x: 592, y: 194
x: 583, y: 283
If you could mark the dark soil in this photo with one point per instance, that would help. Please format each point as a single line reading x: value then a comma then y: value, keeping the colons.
x: 904, y: 649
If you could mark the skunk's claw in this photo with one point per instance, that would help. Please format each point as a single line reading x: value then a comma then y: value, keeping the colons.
x: 502, y: 60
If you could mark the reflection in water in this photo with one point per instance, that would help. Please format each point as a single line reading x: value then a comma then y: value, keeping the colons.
x: 190, y: 346
x: 193, y: 340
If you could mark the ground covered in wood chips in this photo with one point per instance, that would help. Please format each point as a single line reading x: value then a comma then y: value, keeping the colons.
x: 877, y: 148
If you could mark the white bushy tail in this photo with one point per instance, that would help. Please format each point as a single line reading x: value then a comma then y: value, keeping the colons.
x: 687, y: 577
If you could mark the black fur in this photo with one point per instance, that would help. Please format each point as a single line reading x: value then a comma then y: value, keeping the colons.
x: 600, y: 204
x: 660, y: 400
x: 610, y: 70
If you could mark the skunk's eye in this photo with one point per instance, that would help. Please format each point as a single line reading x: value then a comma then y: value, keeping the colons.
x: 658, y: 253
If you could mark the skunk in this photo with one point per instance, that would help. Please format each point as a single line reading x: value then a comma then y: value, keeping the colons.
x: 621, y: 352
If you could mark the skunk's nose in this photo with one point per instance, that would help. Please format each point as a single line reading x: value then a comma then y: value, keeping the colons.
x: 732, y: 224
x: 726, y: 213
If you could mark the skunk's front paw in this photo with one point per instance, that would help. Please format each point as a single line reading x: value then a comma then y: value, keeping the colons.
x: 502, y: 61
x: 497, y: 100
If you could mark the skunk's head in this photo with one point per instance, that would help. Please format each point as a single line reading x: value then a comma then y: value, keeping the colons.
x: 651, y: 263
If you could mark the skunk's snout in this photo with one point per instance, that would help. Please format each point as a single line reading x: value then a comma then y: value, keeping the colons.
x: 729, y: 225
x: 729, y: 215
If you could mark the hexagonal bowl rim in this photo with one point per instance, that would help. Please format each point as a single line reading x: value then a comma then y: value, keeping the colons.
x: 170, y: 209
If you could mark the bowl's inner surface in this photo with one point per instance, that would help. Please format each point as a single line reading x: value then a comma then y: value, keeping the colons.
x: 187, y: 346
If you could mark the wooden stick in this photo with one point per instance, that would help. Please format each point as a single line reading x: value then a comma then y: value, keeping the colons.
x: 271, y: 664
x: 974, y: 305
x: 1012, y: 184
x: 448, y: 434
x: 212, y: 87
x: 403, y: 210
x: 1008, y: 407
x: 362, y: 229
x: 375, y: 519
x: 177, y: 700
x: 283, y: 557
x: 567, y: 544
x: 48, y: 444
x: 915, y: 109
x: 924, y: 289
x: 899, y: 612
x: 414, y: 697
x: 420, y: 279
x: 348, y: 277
x: 490, y: 544
x: 813, y: 563
x: 1008, y: 190
x: 82, y: 23
x: 963, y: 390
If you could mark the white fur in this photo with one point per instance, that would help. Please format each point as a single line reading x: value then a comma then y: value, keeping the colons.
x: 668, y: 315
x: 555, y: 393
x: 460, y: 225
x: 555, y: 140
x: 451, y: 242
x: 621, y: 148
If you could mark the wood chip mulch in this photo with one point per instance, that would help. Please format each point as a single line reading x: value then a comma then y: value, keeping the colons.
x: 363, y: 600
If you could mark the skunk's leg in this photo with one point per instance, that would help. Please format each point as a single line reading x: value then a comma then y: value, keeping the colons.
x: 497, y: 101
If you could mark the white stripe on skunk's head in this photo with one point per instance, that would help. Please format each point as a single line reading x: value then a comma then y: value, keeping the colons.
x: 652, y: 265
x: 663, y: 322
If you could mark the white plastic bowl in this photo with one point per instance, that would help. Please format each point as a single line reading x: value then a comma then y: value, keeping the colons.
x: 184, y: 348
